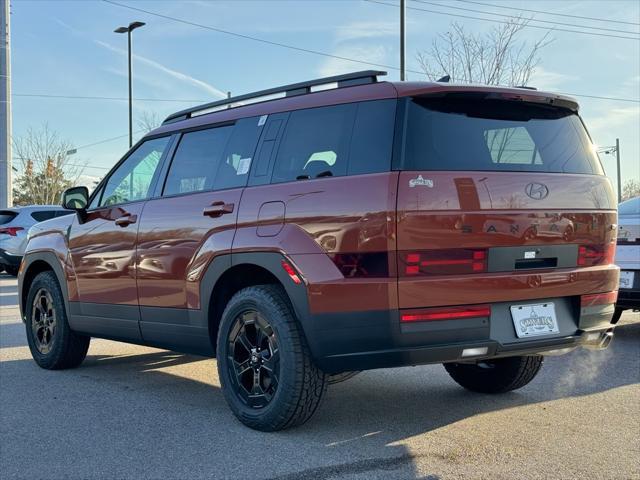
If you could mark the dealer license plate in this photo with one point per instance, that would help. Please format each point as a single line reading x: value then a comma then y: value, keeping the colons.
x: 533, y: 320
x: 626, y: 279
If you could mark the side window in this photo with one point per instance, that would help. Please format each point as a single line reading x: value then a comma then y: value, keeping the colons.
x: 315, y: 143
x: 131, y: 180
x: 196, y: 160
x: 63, y: 213
x: 372, y: 141
x: 238, y: 156
x: 95, y: 200
x: 43, y: 215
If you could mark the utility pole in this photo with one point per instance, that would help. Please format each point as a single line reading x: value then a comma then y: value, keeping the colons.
x: 403, y: 39
x: 5, y: 106
x: 618, y: 170
x: 609, y: 151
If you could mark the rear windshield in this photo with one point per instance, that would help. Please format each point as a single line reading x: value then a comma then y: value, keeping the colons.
x: 494, y: 135
x: 6, y: 216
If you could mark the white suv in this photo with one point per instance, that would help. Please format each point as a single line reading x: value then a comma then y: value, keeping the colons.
x: 628, y: 256
x: 14, y: 225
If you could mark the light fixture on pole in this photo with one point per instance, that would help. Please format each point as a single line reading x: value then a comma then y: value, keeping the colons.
x: 132, y: 26
x: 608, y: 151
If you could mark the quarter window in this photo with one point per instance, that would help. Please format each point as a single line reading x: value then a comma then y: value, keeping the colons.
x: 130, y: 182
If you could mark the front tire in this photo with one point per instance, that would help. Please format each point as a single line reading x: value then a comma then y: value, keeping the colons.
x: 265, y: 368
x: 53, y: 345
x: 496, y: 376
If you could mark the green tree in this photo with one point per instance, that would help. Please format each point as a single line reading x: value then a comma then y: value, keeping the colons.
x: 46, y: 171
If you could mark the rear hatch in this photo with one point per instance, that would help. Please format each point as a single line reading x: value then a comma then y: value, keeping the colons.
x: 492, y: 192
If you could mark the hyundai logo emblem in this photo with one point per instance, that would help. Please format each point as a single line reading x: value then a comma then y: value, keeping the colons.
x: 537, y: 191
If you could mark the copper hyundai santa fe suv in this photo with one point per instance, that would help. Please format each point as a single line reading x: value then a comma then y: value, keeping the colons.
x: 304, y: 233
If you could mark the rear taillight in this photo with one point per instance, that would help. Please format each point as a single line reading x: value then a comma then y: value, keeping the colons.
x: 606, y: 298
x: 452, y: 261
x: 445, y: 313
x: 11, y: 231
x: 590, y: 255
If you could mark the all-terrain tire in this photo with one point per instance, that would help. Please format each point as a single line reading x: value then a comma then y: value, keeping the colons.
x: 67, y: 349
x: 300, y: 383
x: 496, y: 376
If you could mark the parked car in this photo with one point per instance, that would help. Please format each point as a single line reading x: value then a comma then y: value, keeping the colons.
x: 348, y: 224
x: 14, y: 225
x: 628, y: 256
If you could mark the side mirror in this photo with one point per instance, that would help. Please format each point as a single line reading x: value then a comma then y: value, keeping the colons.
x: 76, y: 198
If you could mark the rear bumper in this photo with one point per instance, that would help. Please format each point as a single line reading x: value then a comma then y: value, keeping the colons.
x: 369, y: 340
x: 454, y: 352
x: 7, y: 259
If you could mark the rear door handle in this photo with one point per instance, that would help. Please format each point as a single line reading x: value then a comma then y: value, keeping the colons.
x: 126, y: 220
x: 217, y: 209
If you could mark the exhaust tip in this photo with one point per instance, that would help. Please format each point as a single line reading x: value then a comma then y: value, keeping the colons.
x: 598, y: 340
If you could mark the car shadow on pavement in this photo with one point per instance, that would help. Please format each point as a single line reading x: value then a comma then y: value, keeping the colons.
x: 360, y: 421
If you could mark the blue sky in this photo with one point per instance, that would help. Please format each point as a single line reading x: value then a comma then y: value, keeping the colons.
x: 68, y: 48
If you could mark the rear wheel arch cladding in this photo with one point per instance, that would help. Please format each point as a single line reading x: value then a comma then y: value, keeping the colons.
x: 225, y: 277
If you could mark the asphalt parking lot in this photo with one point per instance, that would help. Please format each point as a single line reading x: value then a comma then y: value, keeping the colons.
x: 135, y: 412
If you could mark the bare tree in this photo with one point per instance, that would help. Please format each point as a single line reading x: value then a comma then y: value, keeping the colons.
x: 497, y: 57
x: 148, y: 121
x: 46, y: 171
x: 630, y: 189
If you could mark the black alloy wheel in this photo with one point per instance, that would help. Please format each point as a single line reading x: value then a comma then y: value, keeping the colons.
x: 254, y: 359
x: 43, y: 321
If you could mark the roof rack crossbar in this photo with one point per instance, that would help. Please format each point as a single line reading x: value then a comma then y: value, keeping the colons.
x: 294, y: 89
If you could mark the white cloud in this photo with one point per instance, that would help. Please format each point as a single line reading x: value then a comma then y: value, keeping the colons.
x: 547, y: 80
x: 369, y: 53
x: 172, y: 73
x: 360, y: 30
x: 611, y: 118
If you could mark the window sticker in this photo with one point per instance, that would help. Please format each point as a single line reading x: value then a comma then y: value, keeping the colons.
x: 262, y: 120
x: 243, y: 166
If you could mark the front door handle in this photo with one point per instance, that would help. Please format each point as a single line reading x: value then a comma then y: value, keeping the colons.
x: 126, y: 220
x: 217, y: 209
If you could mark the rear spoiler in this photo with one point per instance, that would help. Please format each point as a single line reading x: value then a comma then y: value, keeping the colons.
x: 512, y: 96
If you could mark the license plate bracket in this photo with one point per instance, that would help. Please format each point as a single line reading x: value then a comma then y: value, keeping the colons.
x: 534, y: 319
x: 626, y: 279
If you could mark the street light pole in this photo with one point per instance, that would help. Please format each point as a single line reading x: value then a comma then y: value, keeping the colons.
x: 132, y: 26
x: 403, y: 39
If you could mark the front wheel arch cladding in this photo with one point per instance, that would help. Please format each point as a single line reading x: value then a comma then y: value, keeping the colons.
x: 272, y: 263
x: 34, y: 263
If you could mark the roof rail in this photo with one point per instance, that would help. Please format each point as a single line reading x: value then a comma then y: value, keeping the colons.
x: 294, y: 89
